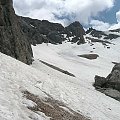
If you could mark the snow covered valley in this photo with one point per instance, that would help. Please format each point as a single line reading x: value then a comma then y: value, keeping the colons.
x: 23, y: 87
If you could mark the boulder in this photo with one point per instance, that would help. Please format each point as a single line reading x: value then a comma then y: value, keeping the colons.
x: 112, y: 93
x: 111, y: 83
x: 99, y: 81
x: 89, y: 56
x: 113, y: 79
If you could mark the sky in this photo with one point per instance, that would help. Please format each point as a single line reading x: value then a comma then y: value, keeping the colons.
x: 99, y: 14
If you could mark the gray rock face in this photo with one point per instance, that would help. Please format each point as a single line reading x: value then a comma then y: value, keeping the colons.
x: 99, y: 81
x: 113, y: 79
x: 76, y: 29
x: 55, y: 37
x: 111, y: 84
x: 39, y: 31
x: 112, y: 93
x: 12, y: 40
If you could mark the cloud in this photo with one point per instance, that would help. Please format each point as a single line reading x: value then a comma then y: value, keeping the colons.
x: 64, y: 11
x: 118, y: 16
x: 99, y: 25
x: 116, y: 26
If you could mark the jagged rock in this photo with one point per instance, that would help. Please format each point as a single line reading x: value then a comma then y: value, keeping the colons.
x: 12, y: 39
x: 99, y: 81
x: 95, y: 33
x: 111, y: 83
x: 114, y: 78
x: 76, y: 29
x: 112, y: 93
x: 116, y: 67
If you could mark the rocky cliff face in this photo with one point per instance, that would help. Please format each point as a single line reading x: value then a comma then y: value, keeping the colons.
x: 39, y: 31
x: 12, y: 40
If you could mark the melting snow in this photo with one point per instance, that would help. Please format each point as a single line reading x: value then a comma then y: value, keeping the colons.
x: 39, y: 79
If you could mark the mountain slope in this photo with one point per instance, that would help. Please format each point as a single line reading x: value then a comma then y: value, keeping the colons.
x: 22, y: 97
x: 18, y: 81
x: 23, y: 88
x: 59, y: 83
x: 79, y: 92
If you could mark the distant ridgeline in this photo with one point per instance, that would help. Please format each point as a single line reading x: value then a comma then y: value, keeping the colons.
x: 38, y: 31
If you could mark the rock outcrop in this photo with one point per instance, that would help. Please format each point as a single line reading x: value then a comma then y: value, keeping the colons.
x: 76, y: 30
x: 89, y: 56
x: 12, y: 40
x: 111, y: 84
x: 38, y: 31
x: 100, y: 34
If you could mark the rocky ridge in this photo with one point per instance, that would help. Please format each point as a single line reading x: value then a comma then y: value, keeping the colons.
x: 38, y: 31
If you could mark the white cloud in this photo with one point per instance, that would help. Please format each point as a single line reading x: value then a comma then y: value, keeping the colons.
x: 64, y: 11
x: 116, y: 26
x: 99, y: 25
x: 118, y: 16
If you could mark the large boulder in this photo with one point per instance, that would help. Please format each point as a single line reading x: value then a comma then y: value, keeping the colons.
x: 111, y: 84
x: 99, y: 81
x: 112, y: 93
x: 12, y: 40
x: 113, y: 79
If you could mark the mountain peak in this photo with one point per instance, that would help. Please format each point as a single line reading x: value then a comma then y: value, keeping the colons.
x: 76, y: 24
